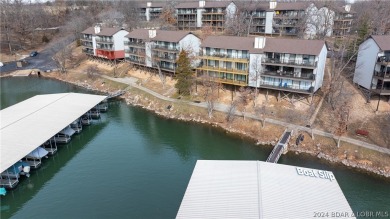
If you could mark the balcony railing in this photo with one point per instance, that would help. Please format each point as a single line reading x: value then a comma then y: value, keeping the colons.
x: 86, y: 38
x: 219, y: 69
x: 88, y: 51
x: 106, y: 48
x: 287, y: 87
x: 289, y: 62
x: 102, y: 40
x: 165, y: 58
x: 135, y: 44
x: 384, y: 60
x: 289, y: 74
x: 171, y: 48
x: 382, y: 74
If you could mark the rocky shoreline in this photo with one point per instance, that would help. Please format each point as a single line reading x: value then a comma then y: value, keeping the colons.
x: 135, y: 100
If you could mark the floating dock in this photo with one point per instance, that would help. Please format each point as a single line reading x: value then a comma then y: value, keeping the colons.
x: 29, y: 124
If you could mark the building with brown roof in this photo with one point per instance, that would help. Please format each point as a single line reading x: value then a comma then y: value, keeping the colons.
x: 289, y: 65
x: 159, y: 48
x: 372, y: 71
x: 104, y: 42
x: 194, y: 15
x: 149, y: 11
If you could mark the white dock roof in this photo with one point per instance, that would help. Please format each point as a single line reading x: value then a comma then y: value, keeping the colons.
x: 28, y: 124
x: 255, y: 189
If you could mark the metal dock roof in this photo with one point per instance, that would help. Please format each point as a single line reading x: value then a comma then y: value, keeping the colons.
x: 28, y: 124
x: 255, y: 189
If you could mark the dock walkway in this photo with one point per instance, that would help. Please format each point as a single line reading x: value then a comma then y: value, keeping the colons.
x: 279, y: 147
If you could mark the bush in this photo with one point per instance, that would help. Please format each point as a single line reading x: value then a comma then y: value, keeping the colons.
x: 45, y: 39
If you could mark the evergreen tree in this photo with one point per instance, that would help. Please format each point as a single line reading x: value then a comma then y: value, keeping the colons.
x: 184, y: 74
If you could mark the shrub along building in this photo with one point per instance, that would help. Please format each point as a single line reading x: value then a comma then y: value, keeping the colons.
x: 104, y: 43
x: 194, y: 15
x: 160, y: 48
x: 372, y: 71
x: 285, y: 65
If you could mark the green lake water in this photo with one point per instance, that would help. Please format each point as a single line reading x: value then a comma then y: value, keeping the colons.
x: 134, y: 164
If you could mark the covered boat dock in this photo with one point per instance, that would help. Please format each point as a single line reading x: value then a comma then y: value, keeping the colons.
x: 27, y: 125
x: 256, y: 189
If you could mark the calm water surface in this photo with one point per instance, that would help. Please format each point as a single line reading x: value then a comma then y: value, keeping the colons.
x: 133, y: 164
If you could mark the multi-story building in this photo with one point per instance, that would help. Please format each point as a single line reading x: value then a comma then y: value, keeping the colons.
x: 342, y: 21
x: 290, y: 65
x: 159, y: 48
x: 106, y: 43
x: 288, y: 18
x: 226, y: 59
x: 193, y: 15
x: 372, y: 71
x: 149, y: 11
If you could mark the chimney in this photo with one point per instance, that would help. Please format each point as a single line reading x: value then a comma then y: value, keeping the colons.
x: 202, y: 4
x: 148, y: 4
x: 272, y: 4
x: 152, y: 33
x: 97, y: 29
x: 259, y: 42
x: 348, y: 8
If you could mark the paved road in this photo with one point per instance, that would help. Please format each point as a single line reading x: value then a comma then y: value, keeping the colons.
x: 224, y: 108
x: 43, y: 60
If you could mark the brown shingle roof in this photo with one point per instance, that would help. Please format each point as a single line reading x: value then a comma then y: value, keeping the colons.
x: 292, y: 6
x: 170, y: 36
x: 231, y: 42
x: 208, y: 4
x: 89, y: 30
x: 154, y: 4
x: 161, y: 35
x: 104, y: 31
x: 294, y: 46
x: 108, y: 31
x: 382, y: 41
x: 139, y: 34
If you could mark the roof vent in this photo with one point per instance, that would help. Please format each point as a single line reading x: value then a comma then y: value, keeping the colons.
x: 272, y: 4
x: 202, y: 4
x: 97, y: 29
x: 259, y: 42
x: 148, y: 4
x: 152, y: 33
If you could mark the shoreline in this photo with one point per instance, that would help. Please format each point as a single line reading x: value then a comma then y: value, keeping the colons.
x: 142, y: 100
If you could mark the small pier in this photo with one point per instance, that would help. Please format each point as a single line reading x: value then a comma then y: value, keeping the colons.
x: 280, y: 147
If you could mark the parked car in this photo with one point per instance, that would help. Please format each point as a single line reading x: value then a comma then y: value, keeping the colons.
x: 33, y: 53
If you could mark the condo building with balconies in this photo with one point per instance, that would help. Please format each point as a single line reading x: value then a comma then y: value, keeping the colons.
x: 194, y: 15
x: 372, y: 71
x: 104, y: 42
x: 289, y: 65
x: 159, y: 48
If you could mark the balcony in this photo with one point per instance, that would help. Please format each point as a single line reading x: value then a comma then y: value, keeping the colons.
x: 290, y: 75
x: 105, y: 48
x: 226, y: 58
x: 285, y: 87
x: 383, y: 60
x: 88, y: 45
x: 164, y: 48
x: 103, y: 40
x: 86, y: 39
x: 88, y: 51
x: 214, y: 11
x: 228, y: 70
x: 280, y: 62
x: 134, y: 44
x: 382, y: 75
x: 288, y: 16
x: 168, y: 58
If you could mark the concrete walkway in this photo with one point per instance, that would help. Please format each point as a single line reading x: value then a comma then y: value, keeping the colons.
x: 224, y: 108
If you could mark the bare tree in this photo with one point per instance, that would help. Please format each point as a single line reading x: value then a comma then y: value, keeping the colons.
x: 63, y: 55
x: 210, y: 93
x: 257, y: 70
x: 167, y: 18
x: 262, y: 111
x: 341, y: 126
